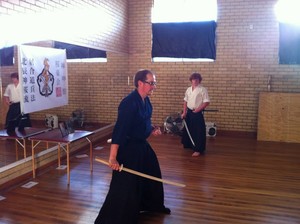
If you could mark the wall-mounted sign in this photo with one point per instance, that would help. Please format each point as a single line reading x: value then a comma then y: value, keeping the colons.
x: 44, y: 78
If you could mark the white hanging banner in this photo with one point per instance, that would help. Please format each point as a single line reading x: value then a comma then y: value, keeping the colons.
x: 44, y: 78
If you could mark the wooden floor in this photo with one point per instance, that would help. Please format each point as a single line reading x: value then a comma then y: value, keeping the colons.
x: 238, y: 181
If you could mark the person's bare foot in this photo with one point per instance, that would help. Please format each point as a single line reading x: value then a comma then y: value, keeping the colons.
x: 196, y: 154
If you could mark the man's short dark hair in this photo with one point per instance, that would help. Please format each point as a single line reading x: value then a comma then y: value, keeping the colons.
x: 141, y: 75
x: 196, y: 75
x: 14, y: 75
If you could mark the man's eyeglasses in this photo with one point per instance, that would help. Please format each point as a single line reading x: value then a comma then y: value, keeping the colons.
x: 150, y: 83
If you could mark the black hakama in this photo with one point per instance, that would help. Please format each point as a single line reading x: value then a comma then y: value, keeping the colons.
x: 14, y: 115
x: 197, y: 129
x: 130, y: 194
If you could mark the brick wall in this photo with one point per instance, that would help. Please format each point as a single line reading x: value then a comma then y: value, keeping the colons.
x: 247, y: 53
x: 95, y: 87
x: 112, y: 38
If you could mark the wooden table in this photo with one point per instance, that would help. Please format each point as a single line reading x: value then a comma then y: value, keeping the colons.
x: 55, y: 136
x: 20, y: 136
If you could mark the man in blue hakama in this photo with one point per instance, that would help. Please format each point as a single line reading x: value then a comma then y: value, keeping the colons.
x: 129, y: 195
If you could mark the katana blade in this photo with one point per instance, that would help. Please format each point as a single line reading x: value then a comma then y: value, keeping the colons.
x: 189, y: 134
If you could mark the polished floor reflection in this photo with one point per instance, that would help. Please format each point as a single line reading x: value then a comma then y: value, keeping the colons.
x: 9, y: 154
x: 238, y: 181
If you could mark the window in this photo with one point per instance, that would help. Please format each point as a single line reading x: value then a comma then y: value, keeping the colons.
x: 287, y: 11
x: 184, y: 11
x: 77, y: 53
x: 289, y: 31
x: 7, y: 56
x: 184, y: 30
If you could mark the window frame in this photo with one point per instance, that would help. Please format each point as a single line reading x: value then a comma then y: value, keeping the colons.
x: 186, y: 41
